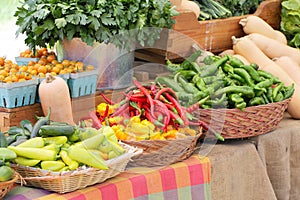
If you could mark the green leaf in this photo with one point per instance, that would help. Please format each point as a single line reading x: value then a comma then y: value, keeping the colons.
x: 106, y: 19
x: 60, y: 23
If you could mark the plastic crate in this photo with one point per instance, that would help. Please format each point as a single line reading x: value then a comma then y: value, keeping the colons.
x: 18, y: 94
x: 37, y: 97
x: 83, y: 83
x: 24, y: 61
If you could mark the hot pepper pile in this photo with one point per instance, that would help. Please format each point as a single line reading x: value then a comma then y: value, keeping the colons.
x: 223, y: 82
x: 148, y: 112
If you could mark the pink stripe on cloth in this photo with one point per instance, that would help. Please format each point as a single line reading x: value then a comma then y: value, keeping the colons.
x: 167, y: 175
x: 139, y: 185
x: 109, y: 192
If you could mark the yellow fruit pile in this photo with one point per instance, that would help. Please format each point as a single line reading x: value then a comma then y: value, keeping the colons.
x: 47, y: 63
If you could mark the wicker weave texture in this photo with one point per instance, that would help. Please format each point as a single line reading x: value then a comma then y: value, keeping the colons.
x: 162, y: 152
x: 6, y: 186
x: 77, y: 179
x: 253, y: 121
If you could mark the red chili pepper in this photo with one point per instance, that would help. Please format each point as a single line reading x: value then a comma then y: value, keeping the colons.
x: 193, y: 107
x: 108, y: 100
x: 95, y: 120
x: 164, y: 110
x: 178, y: 107
x: 121, y: 109
x: 146, y: 93
x: 163, y: 90
x: 176, y: 118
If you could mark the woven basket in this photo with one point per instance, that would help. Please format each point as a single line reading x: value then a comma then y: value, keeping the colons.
x: 253, y: 121
x: 163, y: 152
x: 7, y: 186
x: 63, y: 182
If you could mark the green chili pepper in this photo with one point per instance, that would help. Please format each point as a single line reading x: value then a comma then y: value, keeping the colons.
x: 276, y: 90
x: 256, y: 101
x: 245, y: 75
x: 168, y: 82
x: 209, y: 70
x: 270, y: 94
x: 227, y: 68
x: 265, y: 98
x: 195, y: 67
x: 264, y: 84
x: 172, y: 66
x: 252, y: 72
x: 235, y: 62
x: 279, y: 97
x: 218, y: 101
x: 238, y: 78
x: 186, y: 64
x: 200, y: 83
x: 254, y: 66
x: 289, y: 91
x: 187, y: 86
x: 188, y: 74
x: 241, y: 106
x: 268, y: 76
x: 244, y: 90
x: 236, y: 98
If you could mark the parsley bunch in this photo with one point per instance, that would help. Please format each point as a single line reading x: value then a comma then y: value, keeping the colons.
x: 44, y: 22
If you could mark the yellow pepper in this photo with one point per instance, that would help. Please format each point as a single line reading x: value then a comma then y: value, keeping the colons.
x: 101, y: 108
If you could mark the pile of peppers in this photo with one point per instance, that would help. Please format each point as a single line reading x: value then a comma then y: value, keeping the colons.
x: 223, y: 82
x: 149, y: 111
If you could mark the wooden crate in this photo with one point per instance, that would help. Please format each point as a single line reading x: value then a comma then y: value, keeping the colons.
x: 81, y: 105
x: 211, y: 35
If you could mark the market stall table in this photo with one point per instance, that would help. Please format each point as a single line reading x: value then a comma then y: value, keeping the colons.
x: 189, y: 179
x: 264, y: 167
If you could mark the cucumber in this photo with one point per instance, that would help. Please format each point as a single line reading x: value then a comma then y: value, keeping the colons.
x: 56, y: 130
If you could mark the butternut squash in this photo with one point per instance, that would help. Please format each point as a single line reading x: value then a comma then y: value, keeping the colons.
x: 227, y: 52
x: 290, y: 67
x: 189, y: 5
x: 255, y: 24
x: 54, y: 93
x: 274, y: 49
x: 251, y: 52
x: 246, y: 48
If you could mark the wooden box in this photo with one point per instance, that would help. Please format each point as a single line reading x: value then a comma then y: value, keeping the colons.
x: 80, y: 106
x: 211, y: 35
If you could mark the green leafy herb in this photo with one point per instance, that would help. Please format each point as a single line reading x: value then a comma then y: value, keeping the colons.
x: 290, y: 21
x: 44, y: 22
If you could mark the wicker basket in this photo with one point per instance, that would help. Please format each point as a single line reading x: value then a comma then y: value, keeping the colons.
x: 7, y: 186
x: 163, y: 152
x: 63, y: 182
x: 253, y: 121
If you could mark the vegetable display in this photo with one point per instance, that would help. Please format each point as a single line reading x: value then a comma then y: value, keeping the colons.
x: 148, y: 112
x: 223, y: 82
x: 62, y: 147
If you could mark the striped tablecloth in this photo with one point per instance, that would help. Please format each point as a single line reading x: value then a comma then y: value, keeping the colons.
x: 189, y: 179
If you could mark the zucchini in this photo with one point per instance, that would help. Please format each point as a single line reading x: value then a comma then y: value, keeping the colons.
x: 56, y: 130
